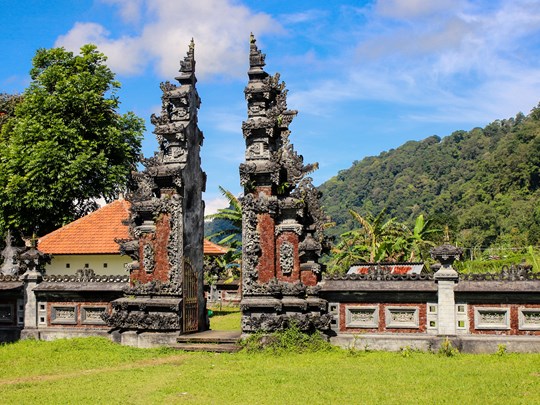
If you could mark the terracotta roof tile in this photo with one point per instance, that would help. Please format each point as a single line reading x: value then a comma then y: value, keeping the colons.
x: 95, y: 233
x: 92, y: 234
x: 212, y: 249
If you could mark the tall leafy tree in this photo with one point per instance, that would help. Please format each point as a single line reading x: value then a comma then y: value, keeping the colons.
x: 67, y: 144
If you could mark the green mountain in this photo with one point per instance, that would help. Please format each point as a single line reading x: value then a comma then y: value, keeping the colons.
x: 484, y: 184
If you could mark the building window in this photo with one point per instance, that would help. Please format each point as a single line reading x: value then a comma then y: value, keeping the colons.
x: 68, y: 265
x: 86, y: 265
x: 105, y: 265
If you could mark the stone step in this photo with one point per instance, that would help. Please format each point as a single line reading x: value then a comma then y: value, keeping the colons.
x: 208, y: 347
x: 210, y: 341
x: 211, y: 337
x: 215, y: 340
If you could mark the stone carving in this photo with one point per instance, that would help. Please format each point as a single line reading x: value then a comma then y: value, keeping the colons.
x: 92, y: 314
x: 166, y: 197
x: 286, y: 257
x: 512, y: 273
x: 143, y: 321
x: 491, y: 318
x: 529, y: 318
x: 378, y: 274
x: 86, y: 278
x: 279, y: 203
x: 362, y: 317
x: 154, y: 288
x: 273, y: 322
x: 10, y: 264
x: 64, y: 315
x: 148, y: 258
x: 401, y: 317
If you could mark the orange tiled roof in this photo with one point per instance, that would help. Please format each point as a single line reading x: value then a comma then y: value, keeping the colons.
x: 212, y: 249
x: 95, y: 233
x: 92, y: 234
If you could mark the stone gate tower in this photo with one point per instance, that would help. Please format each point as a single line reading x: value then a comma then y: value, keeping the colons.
x: 166, y: 223
x: 282, y: 234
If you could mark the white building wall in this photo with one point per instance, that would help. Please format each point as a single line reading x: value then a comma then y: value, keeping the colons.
x: 101, y: 264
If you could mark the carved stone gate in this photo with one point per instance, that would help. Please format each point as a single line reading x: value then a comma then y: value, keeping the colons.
x: 166, y: 290
x: 282, y: 220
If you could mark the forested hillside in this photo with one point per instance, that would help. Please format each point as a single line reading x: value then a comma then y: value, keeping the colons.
x: 483, y: 184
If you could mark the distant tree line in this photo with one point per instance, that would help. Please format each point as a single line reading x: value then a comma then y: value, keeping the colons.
x: 483, y: 183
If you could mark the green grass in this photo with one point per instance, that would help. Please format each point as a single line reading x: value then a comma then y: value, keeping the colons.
x: 95, y: 371
x: 225, y: 318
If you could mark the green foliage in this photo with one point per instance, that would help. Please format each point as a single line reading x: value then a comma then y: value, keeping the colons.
x: 447, y: 349
x: 501, y: 350
x: 8, y: 103
x: 230, y: 217
x: 66, y: 144
x: 227, y: 231
x: 290, y: 340
x: 484, y: 184
x: 379, y: 239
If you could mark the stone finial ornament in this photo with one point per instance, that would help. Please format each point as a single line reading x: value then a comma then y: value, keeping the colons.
x: 446, y: 254
x: 10, y: 263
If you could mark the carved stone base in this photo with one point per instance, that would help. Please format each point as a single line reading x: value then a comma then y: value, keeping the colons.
x: 270, y: 314
x: 143, y: 313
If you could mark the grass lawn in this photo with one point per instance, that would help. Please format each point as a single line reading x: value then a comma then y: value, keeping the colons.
x: 96, y: 371
x: 225, y: 318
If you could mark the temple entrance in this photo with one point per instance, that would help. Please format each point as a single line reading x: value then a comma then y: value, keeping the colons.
x: 190, y: 305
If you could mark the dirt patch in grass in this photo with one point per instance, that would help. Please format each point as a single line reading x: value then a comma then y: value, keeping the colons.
x: 171, y: 360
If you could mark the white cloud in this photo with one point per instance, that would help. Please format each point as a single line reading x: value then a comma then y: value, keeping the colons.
x: 220, y: 28
x: 214, y: 204
x: 411, y: 9
x: 124, y: 55
x: 130, y: 10
x: 467, y: 64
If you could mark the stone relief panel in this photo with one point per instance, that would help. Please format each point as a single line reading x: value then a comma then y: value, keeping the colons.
x: 92, y: 315
x: 362, y: 317
x: 491, y: 318
x: 286, y: 257
x: 148, y: 258
x: 64, y: 315
x: 529, y: 318
x: 402, y: 317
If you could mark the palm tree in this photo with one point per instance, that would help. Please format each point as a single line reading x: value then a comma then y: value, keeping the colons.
x: 377, y: 231
x: 232, y: 215
x: 419, y: 238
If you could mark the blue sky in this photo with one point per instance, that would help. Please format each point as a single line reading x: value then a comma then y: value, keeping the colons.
x: 365, y: 76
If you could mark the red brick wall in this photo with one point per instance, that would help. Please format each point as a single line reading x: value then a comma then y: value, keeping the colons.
x: 267, y: 260
x: 422, y: 318
x: 159, y: 241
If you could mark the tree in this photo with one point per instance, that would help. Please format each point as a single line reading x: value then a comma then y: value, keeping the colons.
x: 66, y: 145
x: 230, y: 235
x: 419, y: 239
x: 8, y: 102
x: 232, y: 216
